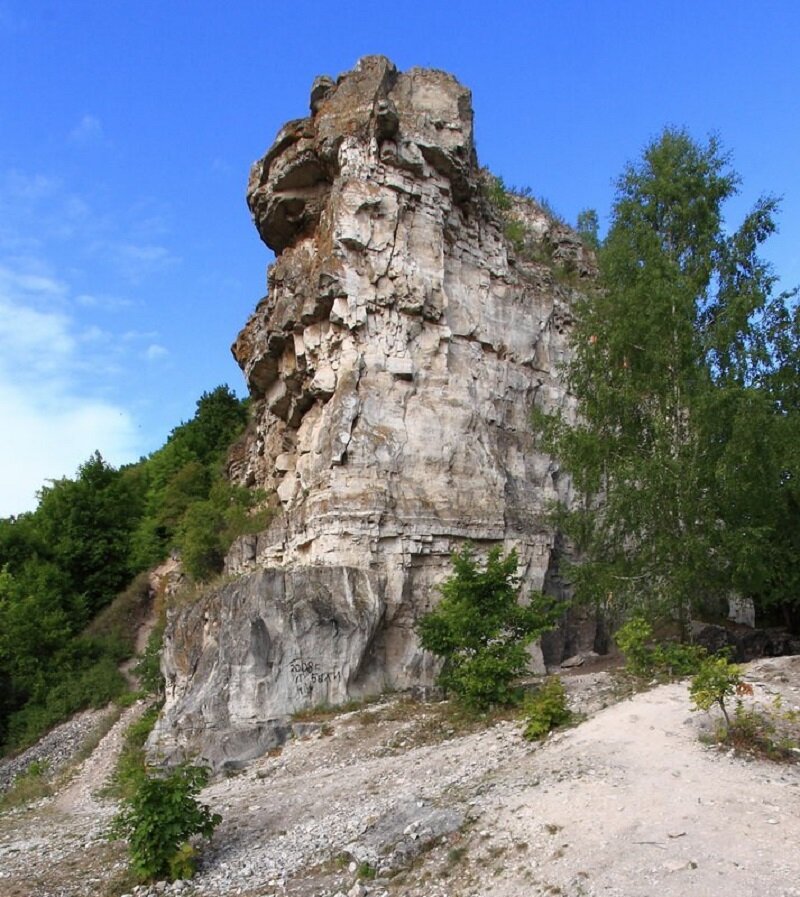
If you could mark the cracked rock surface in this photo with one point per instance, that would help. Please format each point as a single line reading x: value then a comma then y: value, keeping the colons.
x: 393, y: 367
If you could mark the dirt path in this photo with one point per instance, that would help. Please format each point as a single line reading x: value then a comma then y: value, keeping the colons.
x: 631, y: 804
x: 628, y: 804
x: 80, y: 797
x: 58, y: 847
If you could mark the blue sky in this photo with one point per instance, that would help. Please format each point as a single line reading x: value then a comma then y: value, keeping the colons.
x: 128, y: 261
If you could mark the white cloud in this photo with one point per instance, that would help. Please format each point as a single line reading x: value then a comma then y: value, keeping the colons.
x: 52, y: 420
x: 31, y: 283
x: 65, y: 363
x: 139, y: 260
x: 48, y: 437
x: 32, y: 342
x: 102, y: 303
x: 89, y: 130
x: 154, y: 351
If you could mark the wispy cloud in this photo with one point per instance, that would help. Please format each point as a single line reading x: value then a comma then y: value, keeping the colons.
x: 51, y: 422
x: 88, y: 132
x: 155, y: 351
x: 102, y: 302
x: 65, y: 351
x: 138, y: 260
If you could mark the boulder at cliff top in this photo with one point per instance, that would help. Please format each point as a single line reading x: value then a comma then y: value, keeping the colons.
x: 393, y: 366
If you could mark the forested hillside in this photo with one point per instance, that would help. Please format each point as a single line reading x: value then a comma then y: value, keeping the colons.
x: 70, y: 596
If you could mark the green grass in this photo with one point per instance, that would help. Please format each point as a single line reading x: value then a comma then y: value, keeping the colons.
x: 131, y: 766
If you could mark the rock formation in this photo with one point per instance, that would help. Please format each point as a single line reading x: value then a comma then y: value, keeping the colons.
x: 393, y: 366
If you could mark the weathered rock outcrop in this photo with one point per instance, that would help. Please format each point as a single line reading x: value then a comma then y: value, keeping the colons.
x: 393, y: 366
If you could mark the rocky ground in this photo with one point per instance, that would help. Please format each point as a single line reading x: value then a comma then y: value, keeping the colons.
x: 399, y: 799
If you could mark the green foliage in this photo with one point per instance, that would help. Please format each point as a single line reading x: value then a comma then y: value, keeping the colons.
x: 186, y: 473
x: 481, y: 630
x: 31, y: 785
x: 545, y: 710
x: 647, y: 659
x: 66, y: 617
x: 86, y: 524
x: 766, y: 732
x: 549, y: 210
x: 159, y: 819
x: 183, y: 863
x: 496, y: 192
x: 588, y: 226
x: 633, y: 639
x: 715, y: 682
x: 366, y: 872
x: 209, y: 527
x: 148, y: 669
x: 681, y: 386
x: 516, y: 232
x: 119, y: 621
x: 131, y: 768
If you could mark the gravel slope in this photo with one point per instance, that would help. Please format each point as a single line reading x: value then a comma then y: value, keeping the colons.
x: 628, y: 803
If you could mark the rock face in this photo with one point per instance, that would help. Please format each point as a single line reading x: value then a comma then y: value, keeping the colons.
x: 393, y: 366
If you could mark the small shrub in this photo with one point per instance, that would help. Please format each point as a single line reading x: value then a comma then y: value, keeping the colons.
x: 497, y: 194
x: 159, y: 819
x: 646, y: 659
x: 515, y: 232
x: 184, y: 862
x: 366, y: 871
x: 148, y: 669
x: 762, y: 732
x: 675, y: 659
x: 633, y: 640
x: 545, y: 710
x: 481, y: 631
x: 456, y: 855
x: 547, y: 207
x: 715, y: 682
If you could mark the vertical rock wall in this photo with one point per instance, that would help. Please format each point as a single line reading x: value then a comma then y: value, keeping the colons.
x: 393, y: 366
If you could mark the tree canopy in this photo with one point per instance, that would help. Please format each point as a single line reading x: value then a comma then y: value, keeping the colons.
x: 66, y: 562
x: 685, y: 371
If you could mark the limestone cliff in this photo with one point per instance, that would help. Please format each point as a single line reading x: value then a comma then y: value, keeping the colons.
x: 393, y: 366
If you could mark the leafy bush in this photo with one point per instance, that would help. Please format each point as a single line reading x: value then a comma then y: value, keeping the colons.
x: 209, y: 527
x: 515, y: 232
x: 72, y: 688
x: 715, y: 682
x: 633, y: 640
x: 769, y: 733
x: 481, y: 630
x: 545, y: 710
x: 646, y: 659
x: 148, y: 669
x: 366, y: 871
x: 496, y: 192
x: 159, y: 819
